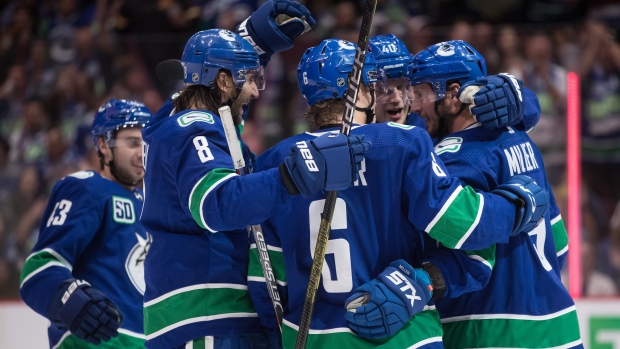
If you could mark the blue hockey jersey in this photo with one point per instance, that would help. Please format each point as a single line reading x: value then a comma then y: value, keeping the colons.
x: 90, y: 231
x: 523, y: 299
x: 403, y: 189
x: 196, y: 270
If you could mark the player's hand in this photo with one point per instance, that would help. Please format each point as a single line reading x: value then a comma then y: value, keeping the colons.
x: 382, y: 306
x: 495, y: 100
x: 273, y: 27
x: 329, y: 162
x: 86, y: 312
x: 531, y: 200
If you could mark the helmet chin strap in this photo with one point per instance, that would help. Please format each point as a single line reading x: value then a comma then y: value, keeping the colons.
x: 370, y: 113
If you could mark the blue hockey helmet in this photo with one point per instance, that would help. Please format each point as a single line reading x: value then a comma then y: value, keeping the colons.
x: 208, y: 51
x: 323, y: 70
x: 446, y: 61
x: 117, y: 114
x: 392, y: 55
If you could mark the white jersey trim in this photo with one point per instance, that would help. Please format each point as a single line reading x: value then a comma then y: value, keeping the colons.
x: 444, y: 208
x: 192, y: 288
x: 474, y: 224
x: 481, y: 260
x: 202, y: 200
x: 199, y: 319
x: 509, y: 316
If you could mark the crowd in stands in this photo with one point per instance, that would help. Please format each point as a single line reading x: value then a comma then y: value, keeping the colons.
x: 61, y: 59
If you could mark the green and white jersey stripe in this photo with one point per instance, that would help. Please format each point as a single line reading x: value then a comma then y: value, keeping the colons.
x: 202, y: 188
x: 560, y: 236
x: 255, y: 272
x: 196, y: 303
x: 423, y: 329
x: 125, y: 339
x: 40, y: 261
x: 558, y: 330
x: 485, y: 256
x: 460, y: 215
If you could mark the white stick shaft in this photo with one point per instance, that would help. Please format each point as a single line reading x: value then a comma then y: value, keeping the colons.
x: 231, y: 137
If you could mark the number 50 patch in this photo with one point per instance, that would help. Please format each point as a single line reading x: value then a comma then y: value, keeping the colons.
x: 123, y: 210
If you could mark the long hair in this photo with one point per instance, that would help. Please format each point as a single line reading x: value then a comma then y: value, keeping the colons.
x: 210, y: 97
x: 325, y: 112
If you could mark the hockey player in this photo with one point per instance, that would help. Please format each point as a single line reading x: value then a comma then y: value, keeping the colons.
x: 522, y: 303
x: 196, y: 270
x: 393, y: 103
x: 402, y: 186
x: 85, y: 273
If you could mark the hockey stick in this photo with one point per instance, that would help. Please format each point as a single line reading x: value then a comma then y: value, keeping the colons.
x: 256, y: 229
x: 330, y: 201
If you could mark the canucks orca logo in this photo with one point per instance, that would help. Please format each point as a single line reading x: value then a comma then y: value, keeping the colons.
x: 134, y: 265
x: 227, y: 35
x: 347, y: 45
x: 445, y: 49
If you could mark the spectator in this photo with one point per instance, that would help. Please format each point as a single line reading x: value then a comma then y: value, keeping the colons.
x: 548, y: 81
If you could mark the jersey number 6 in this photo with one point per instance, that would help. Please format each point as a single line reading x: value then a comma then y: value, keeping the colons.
x: 338, y: 247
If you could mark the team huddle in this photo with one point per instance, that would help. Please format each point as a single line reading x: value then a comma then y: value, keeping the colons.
x: 445, y: 230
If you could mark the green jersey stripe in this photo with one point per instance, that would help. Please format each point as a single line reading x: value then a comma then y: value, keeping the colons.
x: 458, y: 217
x: 517, y: 331
x: 262, y: 279
x: 510, y: 316
x: 202, y: 188
x: 277, y: 263
x: 69, y: 341
x: 422, y: 329
x: 485, y: 256
x: 560, y: 236
x: 205, y: 302
x: 39, y: 261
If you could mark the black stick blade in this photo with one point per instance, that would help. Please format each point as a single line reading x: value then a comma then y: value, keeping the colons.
x: 169, y: 71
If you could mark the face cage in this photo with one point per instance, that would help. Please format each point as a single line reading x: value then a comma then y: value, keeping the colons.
x: 256, y: 76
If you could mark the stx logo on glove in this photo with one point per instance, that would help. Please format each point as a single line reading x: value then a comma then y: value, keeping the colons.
x: 515, y: 83
x: 398, y: 278
x: 306, y: 154
x: 72, y: 288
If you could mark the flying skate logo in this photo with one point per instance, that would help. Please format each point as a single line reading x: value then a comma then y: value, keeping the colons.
x: 445, y: 49
x: 307, y: 155
x: 397, y: 278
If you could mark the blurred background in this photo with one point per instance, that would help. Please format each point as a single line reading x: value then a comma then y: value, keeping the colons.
x: 61, y: 59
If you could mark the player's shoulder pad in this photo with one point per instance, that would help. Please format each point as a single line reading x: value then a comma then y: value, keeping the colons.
x: 87, y: 180
x: 273, y: 156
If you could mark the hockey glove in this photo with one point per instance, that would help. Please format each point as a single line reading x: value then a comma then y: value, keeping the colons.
x: 496, y: 100
x: 273, y: 27
x: 531, y: 200
x: 382, y: 306
x: 86, y: 312
x: 329, y: 162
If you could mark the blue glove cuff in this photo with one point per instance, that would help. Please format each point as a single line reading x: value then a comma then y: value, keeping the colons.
x: 333, y: 149
x: 410, y: 293
x: 261, y: 22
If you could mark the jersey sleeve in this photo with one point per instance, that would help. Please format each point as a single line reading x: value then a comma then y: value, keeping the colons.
x: 257, y: 285
x: 449, y: 212
x: 70, y: 222
x: 531, y: 114
x: 217, y: 198
x: 560, y: 236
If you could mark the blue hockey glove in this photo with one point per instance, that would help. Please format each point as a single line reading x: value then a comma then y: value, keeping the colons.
x: 86, y: 312
x: 329, y: 162
x: 496, y: 100
x: 382, y: 306
x: 273, y: 27
x: 532, y: 202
